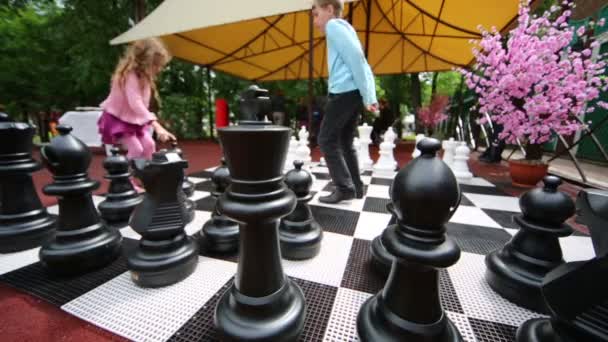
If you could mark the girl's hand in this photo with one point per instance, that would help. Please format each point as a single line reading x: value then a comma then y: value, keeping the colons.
x: 165, y: 136
x: 162, y: 133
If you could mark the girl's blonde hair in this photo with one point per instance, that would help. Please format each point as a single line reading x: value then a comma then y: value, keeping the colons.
x: 338, y: 5
x: 142, y: 57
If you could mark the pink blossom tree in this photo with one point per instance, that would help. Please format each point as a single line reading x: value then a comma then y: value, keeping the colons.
x: 537, y: 84
x: 433, y: 114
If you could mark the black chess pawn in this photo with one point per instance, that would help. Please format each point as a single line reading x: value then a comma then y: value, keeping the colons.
x: 262, y: 304
x: 82, y: 242
x: 219, y: 233
x: 516, y: 271
x: 299, y: 232
x: 575, y: 292
x: 24, y: 223
x: 425, y: 195
x: 187, y: 186
x: 122, y: 198
x: 254, y: 105
x: 165, y: 254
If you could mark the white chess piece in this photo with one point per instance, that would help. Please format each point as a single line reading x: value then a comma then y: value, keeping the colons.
x: 322, y: 162
x: 365, y: 161
x: 303, y: 151
x: 416, y: 150
x: 357, y: 147
x: 449, y: 147
x: 460, y: 166
x: 386, y: 163
x: 291, y: 154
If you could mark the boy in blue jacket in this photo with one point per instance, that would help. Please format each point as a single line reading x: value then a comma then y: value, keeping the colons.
x: 351, y: 86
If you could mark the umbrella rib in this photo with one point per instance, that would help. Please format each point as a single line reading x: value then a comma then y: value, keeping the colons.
x: 389, y: 10
x: 216, y: 50
x: 416, y: 45
x: 501, y: 30
x: 293, y: 60
x: 292, y: 39
x: 387, y: 52
x: 421, y: 35
x: 228, y: 55
x: 441, y: 21
x: 255, y: 54
x: 436, y: 25
x: 414, y: 61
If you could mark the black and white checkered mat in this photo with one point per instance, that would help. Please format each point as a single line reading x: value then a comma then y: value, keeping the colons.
x: 335, y: 283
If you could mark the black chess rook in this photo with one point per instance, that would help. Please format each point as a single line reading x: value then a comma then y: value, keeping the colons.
x: 517, y: 270
x: 165, y: 255
x: 262, y: 304
x: 425, y: 195
x: 24, y: 222
x: 219, y: 233
x: 299, y: 232
x: 121, y: 198
x: 82, y: 242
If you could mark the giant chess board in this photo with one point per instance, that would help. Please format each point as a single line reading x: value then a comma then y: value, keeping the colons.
x: 335, y: 283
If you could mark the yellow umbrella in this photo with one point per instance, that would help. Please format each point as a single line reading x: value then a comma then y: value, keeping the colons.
x: 268, y: 40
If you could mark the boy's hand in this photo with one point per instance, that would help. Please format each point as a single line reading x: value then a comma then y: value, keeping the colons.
x: 373, y: 108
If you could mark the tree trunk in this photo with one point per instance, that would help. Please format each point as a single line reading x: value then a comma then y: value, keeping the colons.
x: 140, y: 10
x: 534, y: 152
x: 434, y: 85
x: 416, y: 99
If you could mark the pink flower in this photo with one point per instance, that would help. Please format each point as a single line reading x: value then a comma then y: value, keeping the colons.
x: 536, y: 84
x: 433, y: 114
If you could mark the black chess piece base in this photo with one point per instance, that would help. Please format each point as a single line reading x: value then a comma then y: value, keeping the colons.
x: 375, y: 323
x: 381, y: 258
x: 24, y: 231
x: 71, y: 253
x: 188, y: 187
x: 190, y: 208
x: 300, y: 240
x: 162, y: 263
x: 117, y: 214
x: 537, y: 330
x: 276, y: 317
x: 220, y: 235
x: 516, y: 271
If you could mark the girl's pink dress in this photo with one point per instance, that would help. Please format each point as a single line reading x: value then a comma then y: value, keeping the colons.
x: 125, y: 111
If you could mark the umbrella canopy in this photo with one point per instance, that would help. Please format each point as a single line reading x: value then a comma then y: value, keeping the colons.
x: 268, y: 40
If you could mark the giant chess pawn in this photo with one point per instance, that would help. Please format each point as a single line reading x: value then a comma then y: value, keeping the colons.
x: 386, y: 163
x: 187, y: 186
x: 416, y: 153
x: 220, y: 234
x: 425, y: 195
x: 24, y: 223
x: 262, y: 304
x: 365, y: 139
x: 303, y: 151
x: 122, y: 198
x: 449, y: 148
x: 165, y: 254
x: 517, y: 270
x: 82, y: 242
x: 575, y: 292
x: 299, y: 232
x: 460, y: 165
x: 291, y: 153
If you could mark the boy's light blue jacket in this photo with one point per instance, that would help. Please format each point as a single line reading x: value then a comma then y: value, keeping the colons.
x: 348, y: 68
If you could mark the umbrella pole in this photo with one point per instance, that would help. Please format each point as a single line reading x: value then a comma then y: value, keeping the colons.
x: 209, y: 110
x: 310, y: 69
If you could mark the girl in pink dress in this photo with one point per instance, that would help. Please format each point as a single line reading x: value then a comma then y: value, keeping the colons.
x: 126, y: 118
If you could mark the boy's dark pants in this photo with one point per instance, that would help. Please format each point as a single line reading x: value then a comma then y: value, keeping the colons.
x: 336, y: 139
